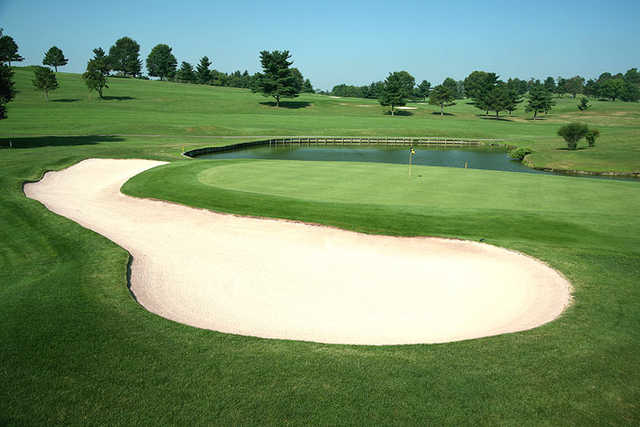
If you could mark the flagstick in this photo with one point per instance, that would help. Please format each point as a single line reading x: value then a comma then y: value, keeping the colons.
x: 410, y: 155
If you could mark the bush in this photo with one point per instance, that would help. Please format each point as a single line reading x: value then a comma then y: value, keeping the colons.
x: 519, y: 153
x: 591, y: 136
x: 572, y: 133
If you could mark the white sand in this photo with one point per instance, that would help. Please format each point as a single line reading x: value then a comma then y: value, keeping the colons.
x: 282, y: 279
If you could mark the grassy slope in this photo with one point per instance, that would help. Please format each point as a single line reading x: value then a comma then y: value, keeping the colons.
x: 77, y: 350
x: 162, y: 108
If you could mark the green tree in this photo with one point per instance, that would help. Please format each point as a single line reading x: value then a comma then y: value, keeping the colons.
x: 441, y: 96
x: 277, y: 79
x: 631, y: 92
x: 632, y: 76
x: 55, y: 58
x: 550, y: 84
x: 497, y: 98
x: 8, y: 50
x: 307, y: 87
x: 540, y: 101
x: 513, y: 99
x: 612, y: 88
x: 161, y: 62
x: 475, y: 83
x: 591, y: 136
x: 186, y: 74
x: 584, y: 104
x: 124, y: 56
x: 398, y: 86
x: 98, y: 69
x: 45, y: 80
x: 7, y: 92
x: 203, y: 73
x: 572, y: 133
x: 452, y: 86
x: 517, y: 85
x: 575, y: 85
x: 299, y: 78
x: 423, y: 89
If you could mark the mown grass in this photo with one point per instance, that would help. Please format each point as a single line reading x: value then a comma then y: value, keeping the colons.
x: 136, y: 107
x: 76, y: 349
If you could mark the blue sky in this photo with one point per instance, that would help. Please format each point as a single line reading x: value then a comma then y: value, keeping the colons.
x: 352, y: 42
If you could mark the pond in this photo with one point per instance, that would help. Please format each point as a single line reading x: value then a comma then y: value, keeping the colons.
x: 474, y: 157
x: 458, y: 157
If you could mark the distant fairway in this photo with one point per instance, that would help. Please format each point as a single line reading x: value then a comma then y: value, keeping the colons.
x: 137, y: 107
x: 76, y: 348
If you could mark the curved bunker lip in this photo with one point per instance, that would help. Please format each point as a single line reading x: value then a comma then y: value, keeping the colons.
x: 289, y: 280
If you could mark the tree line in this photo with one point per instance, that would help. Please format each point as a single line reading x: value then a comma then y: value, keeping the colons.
x: 124, y: 60
x: 624, y: 87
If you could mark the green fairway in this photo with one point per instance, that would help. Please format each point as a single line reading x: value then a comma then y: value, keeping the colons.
x: 77, y: 349
x: 138, y: 107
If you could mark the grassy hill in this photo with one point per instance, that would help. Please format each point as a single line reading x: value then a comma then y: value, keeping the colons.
x: 138, y: 107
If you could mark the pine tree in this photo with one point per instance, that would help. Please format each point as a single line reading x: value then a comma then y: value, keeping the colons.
x: 540, y: 100
x: 203, y: 73
x: 55, y: 58
x: 277, y: 79
x: 186, y: 74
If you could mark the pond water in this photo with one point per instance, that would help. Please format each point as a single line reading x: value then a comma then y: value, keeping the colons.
x: 473, y: 157
x: 429, y: 155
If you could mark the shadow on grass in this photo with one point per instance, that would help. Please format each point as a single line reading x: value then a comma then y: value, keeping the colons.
x: 117, y: 98
x: 399, y: 113
x: 55, y: 141
x: 66, y: 100
x: 502, y: 119
x: 288, y: 104
x: 574, y: 149
x: 437, y: 113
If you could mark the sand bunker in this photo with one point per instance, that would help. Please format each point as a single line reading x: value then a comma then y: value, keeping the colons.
x: 282, y: 279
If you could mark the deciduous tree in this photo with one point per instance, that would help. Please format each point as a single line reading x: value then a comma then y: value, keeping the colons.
x: 98, y: 69
x: 398, y: 86
x: 572, y: 133
x: 55, y: 58
x: 45, y: 80
x: 124, y: 56
x: 277, y: 79
x: 161, y: 62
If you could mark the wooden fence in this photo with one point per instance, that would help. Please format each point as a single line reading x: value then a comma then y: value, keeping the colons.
x: 390, y: 140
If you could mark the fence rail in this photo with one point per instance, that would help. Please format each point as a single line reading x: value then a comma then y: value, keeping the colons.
x: 422, y: 140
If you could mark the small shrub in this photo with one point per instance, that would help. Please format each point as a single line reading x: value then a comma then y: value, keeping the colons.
x: 591, y: 136
x: 519, y: 153
x: 572, y: 133
x: 584, y: 104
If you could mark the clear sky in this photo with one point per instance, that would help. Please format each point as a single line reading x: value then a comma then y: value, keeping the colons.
x: 354, y: 42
